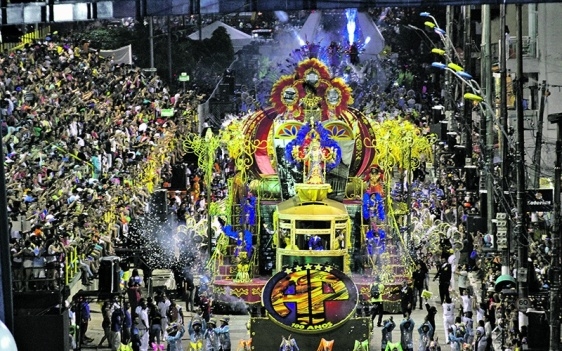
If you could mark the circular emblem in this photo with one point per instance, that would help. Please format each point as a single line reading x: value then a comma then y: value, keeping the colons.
x: 310, y: 298
x: 333, y: 97
x: 312, y: 77
x: 289, y: 95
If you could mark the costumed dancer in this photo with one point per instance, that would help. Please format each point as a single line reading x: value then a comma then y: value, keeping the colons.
x: 243, y: 269
x: 240, y: 245
x: 224, y: 334
x: 175, y: 332
x: 315, y: 158
x: 334, y: 57
x: 406, y: 333
x: 248, y: 217
x: 212, y: 342
x: 288, y: 344
x: 315, y: 243
x: 388, y: 327
x: 374, y: 181
x: 375, y: 241
x: 373, y: 208
x: 340, y: 239
x: 426, y: 334
x: 243, y: 240
x: 454, y: 340
x: 196, y: 334
x: 353, y: 53
x: 314, y: 148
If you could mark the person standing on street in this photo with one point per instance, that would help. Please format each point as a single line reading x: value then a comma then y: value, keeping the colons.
x: 85, y: 318
x: 426, y: 335
x: 142, y: 323
x: 406, y: 333
x: 448, y: 317
x: 418, y: 278
x: 116, y: 328
x: 444, y: 274
x: 127, y: 324
x: 406, y: 298
x: 377, y: 308
x: 163, y: 306
x: 224, y: 334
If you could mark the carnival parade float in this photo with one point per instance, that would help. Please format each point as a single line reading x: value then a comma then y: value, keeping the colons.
x: 310, y: 222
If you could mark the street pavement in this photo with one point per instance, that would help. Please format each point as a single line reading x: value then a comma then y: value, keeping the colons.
x: 238, y: 323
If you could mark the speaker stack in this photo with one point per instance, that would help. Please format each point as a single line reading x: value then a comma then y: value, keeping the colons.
x: 109, y: 275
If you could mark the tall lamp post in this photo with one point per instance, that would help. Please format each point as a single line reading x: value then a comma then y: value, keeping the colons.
x: 523, y: 242
x: 555, y: 240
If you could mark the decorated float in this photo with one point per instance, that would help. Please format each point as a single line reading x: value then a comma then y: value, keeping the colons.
x: 312, y: 185
x: 310, y: 189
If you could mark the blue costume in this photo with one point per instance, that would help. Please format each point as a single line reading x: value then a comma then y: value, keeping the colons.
x: 315, y: 243
x: 375, y: 241
x: 373, y: 206
x: 248, y: 215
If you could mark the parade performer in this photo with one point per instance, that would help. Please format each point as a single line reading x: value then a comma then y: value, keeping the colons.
x: 377, y: 309
x: 240, y: 245
x: 175, y: 333
x: 288, y: 344
x: 243, y: 240
x: 196, y: 334
x: 373, y: 207
x: 243, y: 269
x: 316, y: 150
x: 374, y: 181
x: 315, y: 243
x: 375, y: 242
x: 224, y: 334
x: 387, y: 329
x: 248, y: 206
x: 212, y: 341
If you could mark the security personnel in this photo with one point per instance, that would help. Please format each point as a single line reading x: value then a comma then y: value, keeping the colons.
x: 376, y: 291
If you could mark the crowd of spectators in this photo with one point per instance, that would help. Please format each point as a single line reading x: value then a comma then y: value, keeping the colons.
x: 84, y: 144
x: 474, y: 263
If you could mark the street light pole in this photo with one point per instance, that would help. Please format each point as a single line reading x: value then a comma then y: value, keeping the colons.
x: 489, y: 123
x: 467, y: 110
x: 503, y: 100
x: 555, y: 240
x: 521, y: 231
x: 449, y: 103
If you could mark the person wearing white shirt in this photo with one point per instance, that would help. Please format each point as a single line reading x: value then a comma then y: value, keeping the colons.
x: 163, y: 306
x: 448, y: 316
x: 462, y: 280
x: 453, y: 261
x: 467, y: 302
x: 480, y: 312
x: 142, y: 324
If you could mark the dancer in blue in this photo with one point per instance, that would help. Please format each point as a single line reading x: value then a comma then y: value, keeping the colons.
x: 375, y: 242
x: 248, y: 209
x: 315, y: 243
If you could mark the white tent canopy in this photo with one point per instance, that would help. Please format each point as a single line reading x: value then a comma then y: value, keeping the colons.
x: 239, y: 38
